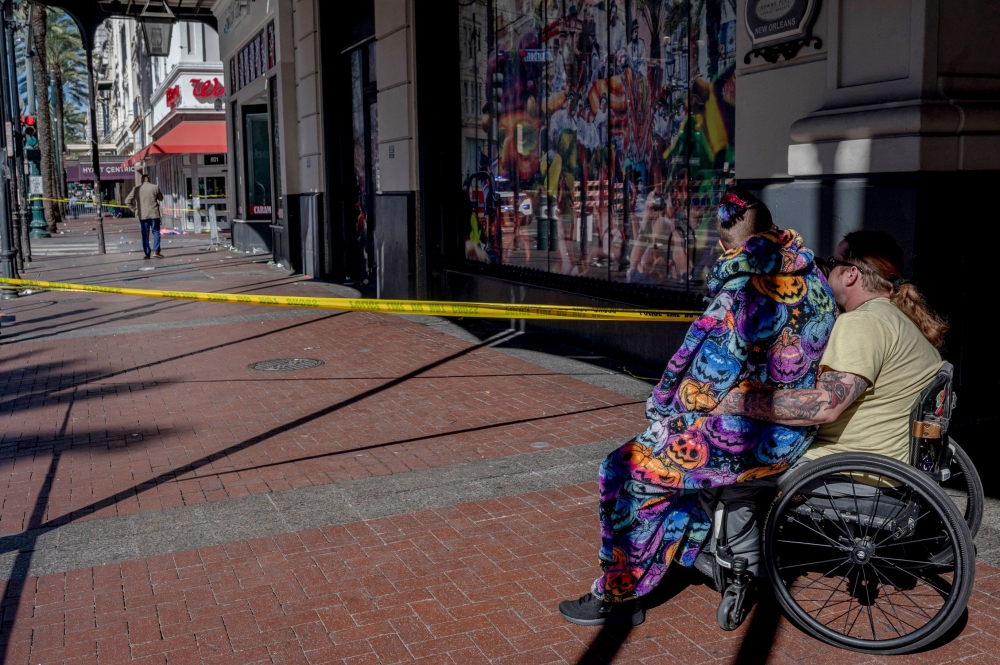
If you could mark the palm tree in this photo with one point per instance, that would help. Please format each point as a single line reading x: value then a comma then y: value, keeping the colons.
x: 43, y: 116
x: 69, y: 74
x: 652, y: 11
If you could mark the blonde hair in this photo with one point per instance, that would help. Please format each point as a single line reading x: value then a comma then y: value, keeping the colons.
x: 879, y: 260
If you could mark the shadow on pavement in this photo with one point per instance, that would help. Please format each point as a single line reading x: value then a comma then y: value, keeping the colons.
x: 75, y: 381
x: 174, y: 474
x: 759, y: 636
x: 437, y: 435
x: 544, y: 343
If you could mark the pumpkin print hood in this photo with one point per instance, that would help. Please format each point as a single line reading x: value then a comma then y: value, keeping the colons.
x: 774, y: 252
x: 767, y: 327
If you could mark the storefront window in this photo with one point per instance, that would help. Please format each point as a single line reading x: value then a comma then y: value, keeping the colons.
x: 602, y: 135
x: 364, y: 126
x: 258, y: 163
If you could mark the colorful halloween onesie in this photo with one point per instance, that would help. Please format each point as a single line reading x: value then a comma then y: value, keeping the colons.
x: 767, y: 326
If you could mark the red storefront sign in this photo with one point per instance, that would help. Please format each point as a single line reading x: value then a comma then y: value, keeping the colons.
x: 173, y: 96
x: 260, y: 210
x: 208, y: 89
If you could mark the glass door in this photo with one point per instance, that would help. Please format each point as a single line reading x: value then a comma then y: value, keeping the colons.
x: 257, y: 153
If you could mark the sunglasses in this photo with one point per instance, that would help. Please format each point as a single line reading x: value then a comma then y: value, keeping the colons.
x: 828, y: 264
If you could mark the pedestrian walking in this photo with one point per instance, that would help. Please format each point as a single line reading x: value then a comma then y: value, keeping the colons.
x: 144, y: 201
x: 73, y: 205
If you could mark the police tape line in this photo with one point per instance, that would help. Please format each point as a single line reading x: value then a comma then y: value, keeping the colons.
x: 432, y: 308
x: 88, y: 202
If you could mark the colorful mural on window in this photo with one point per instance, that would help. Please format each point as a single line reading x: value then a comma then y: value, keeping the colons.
x: 598, y: 135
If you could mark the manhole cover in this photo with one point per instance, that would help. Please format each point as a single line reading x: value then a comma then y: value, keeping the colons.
x: 285, y: 364
x: 173, y: 277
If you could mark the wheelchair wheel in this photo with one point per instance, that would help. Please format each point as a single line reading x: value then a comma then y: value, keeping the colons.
x: 868, y: 554
x: 965, y: 488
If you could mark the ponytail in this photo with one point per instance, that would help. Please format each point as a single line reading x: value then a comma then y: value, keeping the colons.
x: 879, y: 259
x: 911, y: 302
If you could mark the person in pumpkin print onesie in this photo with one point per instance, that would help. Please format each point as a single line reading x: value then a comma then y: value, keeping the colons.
x: 767, y: 326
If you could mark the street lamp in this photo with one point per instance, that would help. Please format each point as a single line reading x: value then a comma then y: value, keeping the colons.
x: 157, y: 28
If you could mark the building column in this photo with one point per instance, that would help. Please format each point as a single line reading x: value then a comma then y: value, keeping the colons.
x: 893, y: 125
x: 398, y: 244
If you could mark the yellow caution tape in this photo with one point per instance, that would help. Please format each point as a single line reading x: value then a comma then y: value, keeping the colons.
x: 434, y: 308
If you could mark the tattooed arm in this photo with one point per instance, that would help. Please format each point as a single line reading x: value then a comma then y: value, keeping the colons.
x: 834, y: 392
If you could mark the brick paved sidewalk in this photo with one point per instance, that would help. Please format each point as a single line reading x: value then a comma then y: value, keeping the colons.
x: 136, y: 426
x: 180, y: 410
x: 473, y: 583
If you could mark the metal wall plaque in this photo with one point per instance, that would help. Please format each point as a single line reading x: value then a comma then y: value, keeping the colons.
x: 780, y: 27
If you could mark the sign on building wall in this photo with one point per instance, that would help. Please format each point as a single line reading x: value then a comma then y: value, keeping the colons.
x: 253, y: 60
x: 772, y: 21
x: 215, y: 160
x: 109, y: 171
x: 208, y: 89
x: 173, y: 96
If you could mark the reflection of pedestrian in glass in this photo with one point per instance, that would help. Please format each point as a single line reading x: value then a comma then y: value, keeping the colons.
x: 617, y: 32
x: 360, y: 262
x: 659, y: 252
x: 559, y: 78
x: 637, y: 51
x: 584, y: 46
x: 563, y: 171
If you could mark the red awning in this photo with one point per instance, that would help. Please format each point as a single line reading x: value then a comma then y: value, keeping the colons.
x: 190, y: 137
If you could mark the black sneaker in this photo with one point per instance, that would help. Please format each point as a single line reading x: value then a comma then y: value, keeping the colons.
x: 591, y: 611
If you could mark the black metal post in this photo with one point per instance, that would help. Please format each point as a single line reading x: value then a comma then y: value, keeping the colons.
x: 17, y: 170
x: 8, y: 253
x: 95, y: 148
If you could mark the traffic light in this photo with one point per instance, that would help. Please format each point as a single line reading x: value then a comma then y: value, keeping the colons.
x: 29, y: 130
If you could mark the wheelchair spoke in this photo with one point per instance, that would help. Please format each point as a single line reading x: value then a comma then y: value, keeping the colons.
x: 847, y: 629
x: 888, y: 597
x: 847, y: 531
x: 878, y: 497
x: 890, y: 558
x: 833, y: 542
x: 830, y: 597
x: 813, y: 563
x: 821, y: 577
x: 800, y: 542
x: 868, y: 596
x: 925, y: 581
x: 911, y: 542
x: 888, y: 619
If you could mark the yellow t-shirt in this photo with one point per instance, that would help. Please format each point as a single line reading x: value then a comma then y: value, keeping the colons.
x: 880, y: 343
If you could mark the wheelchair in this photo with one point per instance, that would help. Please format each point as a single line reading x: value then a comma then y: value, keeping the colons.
x: 861, y: 551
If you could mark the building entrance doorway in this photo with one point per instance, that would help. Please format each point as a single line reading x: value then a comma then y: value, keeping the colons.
x: 257, y: 146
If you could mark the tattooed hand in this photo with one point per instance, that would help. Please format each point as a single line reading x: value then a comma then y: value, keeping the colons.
x: 834, y: 392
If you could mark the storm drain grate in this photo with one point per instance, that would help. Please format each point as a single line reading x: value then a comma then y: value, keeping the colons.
x: 285, y: 364
x: 66, y: 301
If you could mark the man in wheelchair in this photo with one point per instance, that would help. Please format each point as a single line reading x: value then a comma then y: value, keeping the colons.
x: 882, y: 353
x: 767, y: 327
